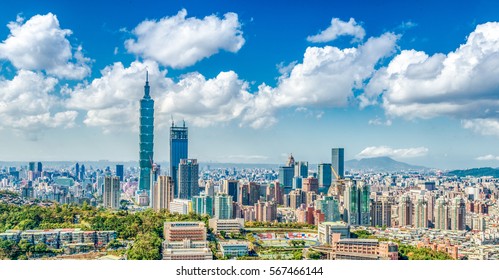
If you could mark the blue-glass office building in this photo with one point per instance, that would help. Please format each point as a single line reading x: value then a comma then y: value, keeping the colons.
x: 178, y: 151
x: 338, y: 162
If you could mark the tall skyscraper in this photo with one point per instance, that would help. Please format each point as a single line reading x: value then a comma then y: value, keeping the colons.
x: 223, y: 206
x: 162, y: 193
x: 405, y: 211
x: 230, y: 187
x: 112, y: 192
x: 39, y: 168
x: 146, y: 138
x: 286, y: 174
x: 81, y: 176
x: 178, y: 151
x: 338, y: 162
x: 77, y: 171
x: 441, y: 214
x: 324, y: 175
x: 266, y: 211
x: 248, y: 193
x: 420, y: 213
x: 209, y: 188
x: 202, y: 204
x: 188, y: 178
x: 31, y: 171
x: 32, y: 166
x: 310, y: 185
x: 330, y: 207
x: 120, y: 171
x: 457, y: 213
x: 357, y: 209
x: 277, y: 192
x: 381, y: 211
x: 301, y: 169
x: 296, y: 198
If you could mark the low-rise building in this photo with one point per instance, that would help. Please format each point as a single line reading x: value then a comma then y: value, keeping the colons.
x: 233, y: 248
x: 362, y: 249
x: 230, y: 225
x: 186, y: 250
x: 178, y: 231
x: 326, y: 229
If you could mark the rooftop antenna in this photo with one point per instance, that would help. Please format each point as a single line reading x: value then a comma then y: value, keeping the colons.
x: 173, y: 123
x: 183, y: 122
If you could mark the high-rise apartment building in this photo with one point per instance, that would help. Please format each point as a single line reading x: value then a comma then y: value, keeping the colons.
x: 266, y: 211
x: 209, y: 188
x: 441, y: 214
x: 188, y: 178
x: 381, y: 211
x: 146, y: 139
x: 296, y: 198
x: 405, y: 211
x: 112, y: 192
x: 162, y: 194
x: 420, y: 219
x: 457, y: 214
x: 276, y: 187
x: 338, y: 162
x: 248, y: 193
x: 178, y: 151
x: 310, y: 184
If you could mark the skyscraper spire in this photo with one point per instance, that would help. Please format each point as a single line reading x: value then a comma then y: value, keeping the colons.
x: 146, y: 87
x: 146, y: 137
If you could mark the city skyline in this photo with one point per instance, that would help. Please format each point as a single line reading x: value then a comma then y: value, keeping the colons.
x: 409, y: 85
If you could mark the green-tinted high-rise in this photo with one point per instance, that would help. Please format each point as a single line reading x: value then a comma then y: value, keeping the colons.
x: 146, y: 138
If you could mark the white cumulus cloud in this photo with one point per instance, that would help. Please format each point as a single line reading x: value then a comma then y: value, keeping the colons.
x: 328, y: 75
x: 461, y: 84
x: 488, y: 157
x: 27, y: 103
x: 326, y: 78
x: 112, y: 101
x: 41, y: 44
x: 482, y: 126
x: 381, y: 151
x: 339, y: 28
x: 179, y: 42
x: 378, y: 121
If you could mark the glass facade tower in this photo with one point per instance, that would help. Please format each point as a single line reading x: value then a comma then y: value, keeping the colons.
x: 338, y: 162
x: 178, y: 151
x: 146, y: 138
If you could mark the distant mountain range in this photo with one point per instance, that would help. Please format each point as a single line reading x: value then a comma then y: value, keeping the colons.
x: 476, y: 172
x: 381, y: 164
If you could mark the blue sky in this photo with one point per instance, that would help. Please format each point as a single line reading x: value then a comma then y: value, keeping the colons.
x: 254, y: 81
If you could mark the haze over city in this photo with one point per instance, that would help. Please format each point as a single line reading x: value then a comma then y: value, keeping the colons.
x: 413, y: 81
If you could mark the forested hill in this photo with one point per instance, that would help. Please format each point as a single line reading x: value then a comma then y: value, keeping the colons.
x: 476, y: 172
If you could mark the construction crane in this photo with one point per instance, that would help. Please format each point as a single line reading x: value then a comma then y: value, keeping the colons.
x: 339, y: 184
